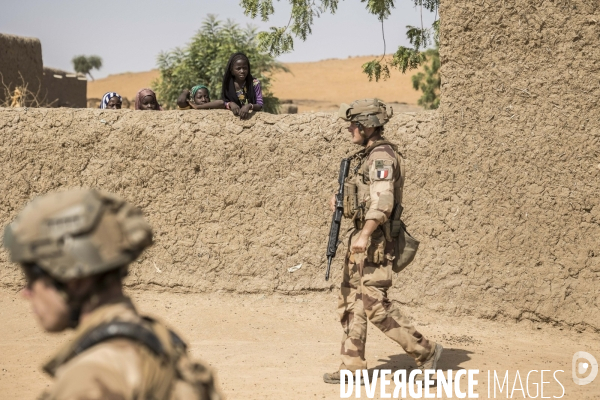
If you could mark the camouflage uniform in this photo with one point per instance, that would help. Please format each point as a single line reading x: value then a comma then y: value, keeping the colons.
x: 115, y: 353
x: 379, y: 181
x: 367, y: 276
x: 122, y: 368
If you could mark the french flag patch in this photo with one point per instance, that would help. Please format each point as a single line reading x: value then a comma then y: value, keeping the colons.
x: 382, y: 173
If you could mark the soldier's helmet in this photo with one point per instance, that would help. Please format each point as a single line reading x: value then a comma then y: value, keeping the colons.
x: 370, y: 113
x: 77, y: 233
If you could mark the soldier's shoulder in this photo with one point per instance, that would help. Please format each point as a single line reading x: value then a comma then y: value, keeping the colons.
x: 111, y: 368
x: 383, y: 152
x: 116, y: 355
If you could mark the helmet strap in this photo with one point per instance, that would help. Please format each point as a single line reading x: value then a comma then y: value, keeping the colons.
x: 73, y: 304
x: 74, y: 314
x: 94, y: 295
x: 361, y: 130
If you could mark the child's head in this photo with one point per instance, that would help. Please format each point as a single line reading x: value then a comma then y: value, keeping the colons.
x: 111, y: 101
x: 148, y: 103
x: 240, y: 67
x: 146, y: 100
x: 200, y: 94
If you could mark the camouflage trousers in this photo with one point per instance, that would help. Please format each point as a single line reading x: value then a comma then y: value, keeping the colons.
x: 363, y: 296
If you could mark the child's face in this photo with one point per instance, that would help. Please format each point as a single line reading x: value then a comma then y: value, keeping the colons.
x: 148, y: 103
x: 239, y: 69
x: 114, y: 103
x: 201, y: 97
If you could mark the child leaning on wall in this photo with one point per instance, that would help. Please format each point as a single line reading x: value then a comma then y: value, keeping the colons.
x: 146, y: 100
x: 111, y: 101
x: 241, y: 92
x: 197, y: 99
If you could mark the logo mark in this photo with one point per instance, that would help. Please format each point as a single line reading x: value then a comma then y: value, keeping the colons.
x: 580, y: 368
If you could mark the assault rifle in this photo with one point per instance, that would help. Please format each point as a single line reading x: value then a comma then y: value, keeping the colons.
x: 336, y: 222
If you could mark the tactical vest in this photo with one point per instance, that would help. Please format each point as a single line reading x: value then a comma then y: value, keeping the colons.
x: 357, y: 201
x: 357, y: 193
x: 178, y: 377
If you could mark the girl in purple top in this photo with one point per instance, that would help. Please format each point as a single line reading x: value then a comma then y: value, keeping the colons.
x: 241, y: 92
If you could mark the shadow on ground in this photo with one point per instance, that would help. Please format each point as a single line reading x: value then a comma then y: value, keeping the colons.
x: 452, y: 358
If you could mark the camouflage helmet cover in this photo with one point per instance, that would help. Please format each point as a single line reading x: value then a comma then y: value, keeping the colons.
x: 370, y: 113
x: 77, y: 233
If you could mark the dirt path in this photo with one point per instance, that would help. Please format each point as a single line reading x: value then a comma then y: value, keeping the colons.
x: 277, y: 347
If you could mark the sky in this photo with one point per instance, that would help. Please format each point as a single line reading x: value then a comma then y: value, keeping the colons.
x: 129, y: 34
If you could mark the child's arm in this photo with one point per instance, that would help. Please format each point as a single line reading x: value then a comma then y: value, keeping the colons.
x: 245, y: 110
x: 233, y: 107
x: 259, y: 97
x: 182, y: 100
x: 215, y: 104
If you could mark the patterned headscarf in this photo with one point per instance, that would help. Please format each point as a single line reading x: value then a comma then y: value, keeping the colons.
x: 198, y: 87
x: 143, y: 93
x: 106, y: 98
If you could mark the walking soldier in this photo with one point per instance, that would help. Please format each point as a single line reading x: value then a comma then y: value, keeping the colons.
x: 378, y: 245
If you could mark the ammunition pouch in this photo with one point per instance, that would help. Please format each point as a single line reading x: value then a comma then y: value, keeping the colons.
x: 350, y: 200
x: 395, y: 228
x: 405, y: 245
x: 376, y: 247
x: 358, y: 221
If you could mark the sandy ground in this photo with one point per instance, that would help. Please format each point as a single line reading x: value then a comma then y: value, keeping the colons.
x: 313, y: 86
x: 126, y: 84
x: 341, y: 80
x: 277, y: 347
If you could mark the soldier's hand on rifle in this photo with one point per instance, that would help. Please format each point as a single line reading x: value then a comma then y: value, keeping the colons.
x: 332, y: 203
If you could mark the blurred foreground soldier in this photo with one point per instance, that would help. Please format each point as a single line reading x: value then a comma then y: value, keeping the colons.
x: 378, y: 245
x: 74, y: 248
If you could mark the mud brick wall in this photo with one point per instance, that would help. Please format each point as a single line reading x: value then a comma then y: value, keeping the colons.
x: 235, y: 204
x: 20, y: 55
x: 64, y: 89
x: 521, y: 121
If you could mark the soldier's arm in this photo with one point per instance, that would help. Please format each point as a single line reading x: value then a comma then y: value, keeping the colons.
x: 360, y: 245
x: 382, y: 171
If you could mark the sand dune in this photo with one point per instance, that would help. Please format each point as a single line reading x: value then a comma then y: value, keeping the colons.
x: 126, y: 84
x: 341, y: 80
x: 317, y: 86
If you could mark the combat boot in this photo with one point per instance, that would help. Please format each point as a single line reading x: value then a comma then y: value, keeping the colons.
x: 336, y: 376
x: 333, y: 378
x: 431, y: 362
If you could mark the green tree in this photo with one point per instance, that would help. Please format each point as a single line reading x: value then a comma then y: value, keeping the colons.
x: 279, y: 40
x: 204, y: 59
x: 84, y: 64
x: 429, y: 82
